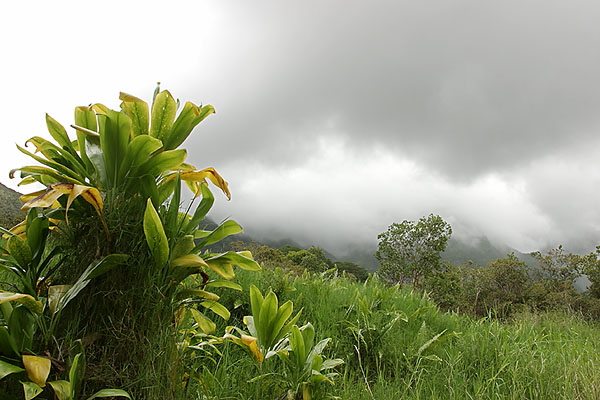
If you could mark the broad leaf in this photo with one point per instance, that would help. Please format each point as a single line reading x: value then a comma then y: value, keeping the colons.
x: 109, y: 393
x: 205, y: 324
x: 62, y: 389
x: 28, y: 301
x: 190, y: 116
x: 38, y: 369
x: 31, y: 390
x: 155, y: 235
x: 7, y: 369
x: 224, y: 230
x: 137, y: 110
x: 217, y: 308
x: 20, y: 251
x: 164, y: 109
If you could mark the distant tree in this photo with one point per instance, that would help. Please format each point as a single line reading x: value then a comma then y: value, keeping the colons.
x: 349, y: 267
x: 559, y: 266
x: 411, y: 250
x: 503, y: 286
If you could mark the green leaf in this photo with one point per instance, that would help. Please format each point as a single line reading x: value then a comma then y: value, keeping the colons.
x: 109, y: 393
x: 86, y: 118
x: 183, y: 246
x: 20, y: 251
x: 31, y: 390
x: 21, y: 327
x: 264, y: 324
x: 202, y: 209
x: 188, y: 293
x: 7, y: 369
x: 190, y: 116
x: 205, y: 324
x: 58, y: 132
x: 281, y: 317
x: 225, y: 284
x: 139, y: 150
x: 163, y: 114
x: 256, y: 302
x: 114, y: 138
x: 172, y: 217
x: 217, y: 308
x: 163, y: 161
x: 76, y: 374
x: 8, y: 347
x: 298, y: 349
x: 155, y: 235
x: 62, y: 389
x: 137, y: 110
x: 224, y: 230
x: 242, y: 259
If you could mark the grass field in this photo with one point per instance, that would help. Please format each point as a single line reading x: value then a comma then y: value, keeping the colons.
x: 397, y: 344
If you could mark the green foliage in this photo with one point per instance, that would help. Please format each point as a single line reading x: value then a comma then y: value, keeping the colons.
x: 117, y: 190
x: 410, y: 250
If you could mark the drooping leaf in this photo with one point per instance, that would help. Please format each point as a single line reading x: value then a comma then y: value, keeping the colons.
x: 203, y: 175
x: 26, y: 300
x: 38, y: 369
x: 155, y: 235
x: 46, y: 199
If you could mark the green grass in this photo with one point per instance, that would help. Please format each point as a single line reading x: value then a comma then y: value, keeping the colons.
x: 544, y: 356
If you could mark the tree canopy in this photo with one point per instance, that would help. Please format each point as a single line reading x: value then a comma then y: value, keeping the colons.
x: 412, y: 249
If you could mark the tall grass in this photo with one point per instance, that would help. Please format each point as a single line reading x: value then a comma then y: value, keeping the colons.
x: 532, y: 356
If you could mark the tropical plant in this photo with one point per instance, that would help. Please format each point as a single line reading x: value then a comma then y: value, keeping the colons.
x: 268, y: 325
x: 306, y: 367
x: 118, y: 190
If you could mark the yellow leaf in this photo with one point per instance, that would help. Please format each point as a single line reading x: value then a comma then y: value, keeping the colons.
x: 44, y: 200
x: 251, y: 343
x: 38, y: 369
x: 201, y: 176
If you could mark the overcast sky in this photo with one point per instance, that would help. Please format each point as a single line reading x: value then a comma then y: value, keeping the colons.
x: 336, y: 118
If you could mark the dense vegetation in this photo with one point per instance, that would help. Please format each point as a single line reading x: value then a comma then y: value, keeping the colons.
x: 110, y: 291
